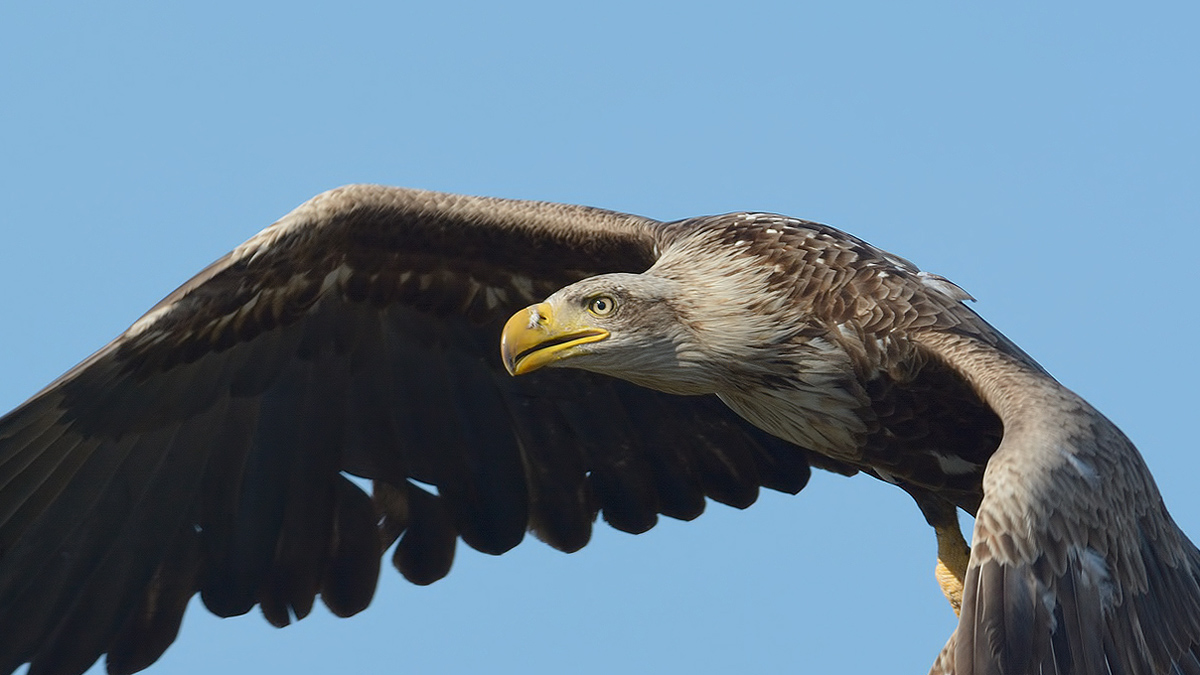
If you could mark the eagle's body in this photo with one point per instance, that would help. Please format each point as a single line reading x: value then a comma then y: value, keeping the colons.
x: 201, y: 451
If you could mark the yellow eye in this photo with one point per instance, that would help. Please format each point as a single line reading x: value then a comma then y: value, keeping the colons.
x: 602, y: 305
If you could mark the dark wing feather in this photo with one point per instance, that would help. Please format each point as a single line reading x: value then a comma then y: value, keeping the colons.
x: 1076, y: 566
x: 203, y: 450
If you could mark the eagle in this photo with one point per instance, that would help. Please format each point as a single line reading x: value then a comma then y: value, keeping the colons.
x: 219, y: 444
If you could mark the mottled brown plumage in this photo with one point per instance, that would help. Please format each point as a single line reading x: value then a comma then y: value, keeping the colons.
x: 202, y: 450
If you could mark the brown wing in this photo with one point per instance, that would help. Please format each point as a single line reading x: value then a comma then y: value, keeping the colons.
x: 1076, y: 566
x: 206, y: 449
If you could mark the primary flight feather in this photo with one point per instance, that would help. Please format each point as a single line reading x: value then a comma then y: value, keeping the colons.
x: 659, y: 364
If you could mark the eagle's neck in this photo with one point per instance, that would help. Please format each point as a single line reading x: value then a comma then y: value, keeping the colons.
x: 817, y: 403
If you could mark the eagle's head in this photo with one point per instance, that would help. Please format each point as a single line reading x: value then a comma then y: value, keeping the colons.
x: 632, y: 326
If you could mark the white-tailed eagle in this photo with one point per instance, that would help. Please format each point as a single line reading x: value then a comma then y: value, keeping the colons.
x: 206, y: 449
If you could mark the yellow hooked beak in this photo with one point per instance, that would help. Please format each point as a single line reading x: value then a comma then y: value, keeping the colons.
x: 533, y: 339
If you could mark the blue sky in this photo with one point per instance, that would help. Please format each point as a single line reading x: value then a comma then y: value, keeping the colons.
x: 1045, y: 156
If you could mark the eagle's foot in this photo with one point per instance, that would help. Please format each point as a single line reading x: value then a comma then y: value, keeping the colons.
x: 951, y: 570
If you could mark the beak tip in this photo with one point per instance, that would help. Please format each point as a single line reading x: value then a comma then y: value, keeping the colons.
x: 515, y: 334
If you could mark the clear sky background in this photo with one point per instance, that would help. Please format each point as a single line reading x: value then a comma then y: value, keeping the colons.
x: 1045, y: 156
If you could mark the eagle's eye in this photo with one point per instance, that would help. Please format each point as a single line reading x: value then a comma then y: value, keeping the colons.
x: 602, y: 305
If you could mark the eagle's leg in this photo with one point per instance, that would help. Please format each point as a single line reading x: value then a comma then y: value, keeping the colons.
x: 951, y: 570
x: 953, y: 552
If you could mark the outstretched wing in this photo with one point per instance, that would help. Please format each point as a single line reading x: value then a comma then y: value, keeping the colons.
x: 206, y: 449
x: 1076, y: 566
